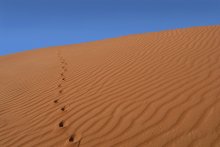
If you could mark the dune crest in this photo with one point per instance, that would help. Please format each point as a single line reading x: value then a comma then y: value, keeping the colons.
x: 147, y: 90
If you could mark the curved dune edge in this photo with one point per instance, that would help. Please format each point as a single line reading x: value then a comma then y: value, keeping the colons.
x: 147, y: 90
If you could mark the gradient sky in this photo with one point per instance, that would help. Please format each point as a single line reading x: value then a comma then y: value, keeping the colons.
x: 30, y: 24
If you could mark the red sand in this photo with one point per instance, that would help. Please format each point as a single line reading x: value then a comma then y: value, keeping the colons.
x: 148, y: 90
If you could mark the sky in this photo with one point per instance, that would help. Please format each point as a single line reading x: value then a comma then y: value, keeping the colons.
x: 31, y: 24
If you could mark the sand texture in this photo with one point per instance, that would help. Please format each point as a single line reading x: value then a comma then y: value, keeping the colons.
x: 147, y: 90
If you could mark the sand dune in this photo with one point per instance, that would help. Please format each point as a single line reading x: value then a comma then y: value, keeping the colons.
x: 146, y: 90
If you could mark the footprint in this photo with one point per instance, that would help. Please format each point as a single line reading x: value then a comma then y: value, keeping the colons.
x: 61, y: 91
x: 63, y: 108
x: 63, y: 79
x: 71, y: 139
x: 61, y: 124
x: 55, y: 101
x: 75, y: 139
x: 59, y: 85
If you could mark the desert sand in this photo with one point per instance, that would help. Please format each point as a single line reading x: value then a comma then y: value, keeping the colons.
x: 147, y: 90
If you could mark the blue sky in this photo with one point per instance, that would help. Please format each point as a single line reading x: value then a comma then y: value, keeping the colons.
x: 30, y: 24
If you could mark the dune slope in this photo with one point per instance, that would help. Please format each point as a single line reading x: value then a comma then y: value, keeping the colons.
x: 146, y: 90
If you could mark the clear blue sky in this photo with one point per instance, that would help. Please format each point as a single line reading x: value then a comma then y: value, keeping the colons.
x: 29, y: 24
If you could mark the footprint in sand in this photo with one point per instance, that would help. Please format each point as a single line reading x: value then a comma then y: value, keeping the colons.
x: 63, y: 108
x: 61, y: 91
x: 56, y: 101
x: 61, y: 124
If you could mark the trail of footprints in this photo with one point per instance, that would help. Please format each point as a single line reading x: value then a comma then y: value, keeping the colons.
x: 61, y: 124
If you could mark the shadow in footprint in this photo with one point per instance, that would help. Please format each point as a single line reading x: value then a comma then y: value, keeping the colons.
x: 75, y: 139
x: 61, y: 91
x: 61, y: 124
x: 71, y: 139
x: 63, y: 109
x: 55, y: 101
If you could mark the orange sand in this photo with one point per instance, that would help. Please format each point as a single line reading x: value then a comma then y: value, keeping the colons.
x: 146, y: 90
